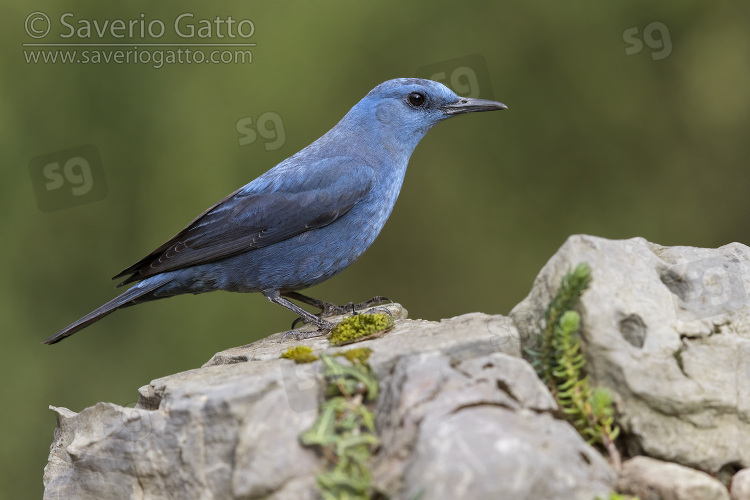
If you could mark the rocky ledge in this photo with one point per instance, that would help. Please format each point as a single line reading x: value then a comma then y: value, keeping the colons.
x: 460, y: 413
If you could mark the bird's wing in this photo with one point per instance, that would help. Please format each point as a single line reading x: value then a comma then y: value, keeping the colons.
x: 266, y: 211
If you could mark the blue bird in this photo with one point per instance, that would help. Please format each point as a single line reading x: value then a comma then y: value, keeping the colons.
x: 306, y: 219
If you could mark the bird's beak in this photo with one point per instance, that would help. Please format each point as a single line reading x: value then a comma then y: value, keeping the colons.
x: 469, y: 105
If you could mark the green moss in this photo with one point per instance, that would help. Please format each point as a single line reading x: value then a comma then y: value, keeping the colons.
x: 358, y: 355
x: 357, y: 327
x: 300, y: 354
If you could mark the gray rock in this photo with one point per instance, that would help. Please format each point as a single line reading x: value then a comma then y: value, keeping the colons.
x: 667, y: 330
x: 460, y: 416
x: 481, y: 428
x: 652, y: 479
x: 740, y: 487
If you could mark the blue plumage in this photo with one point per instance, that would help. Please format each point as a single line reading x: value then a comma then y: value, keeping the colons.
x: 307, y: 218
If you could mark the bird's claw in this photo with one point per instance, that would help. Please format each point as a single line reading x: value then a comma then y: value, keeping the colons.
x: 379, y: 310
x: 351, y: 308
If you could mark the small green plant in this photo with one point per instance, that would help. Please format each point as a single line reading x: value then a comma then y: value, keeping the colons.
x: 573, y: 285
x: 617, y: 496
x: 359, y: 326
x: 300, y: 354
x: 345, y: 427
x: 561, y: 365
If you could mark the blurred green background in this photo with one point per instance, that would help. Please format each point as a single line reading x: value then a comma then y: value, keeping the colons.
x: 626, y: 119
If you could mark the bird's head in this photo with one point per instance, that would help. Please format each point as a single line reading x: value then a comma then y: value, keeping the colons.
x: 406, y: 108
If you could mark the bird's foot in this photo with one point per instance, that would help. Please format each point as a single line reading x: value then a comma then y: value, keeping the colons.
x: 327, y: 327
x: 328, y: 309
x: 351, y: 307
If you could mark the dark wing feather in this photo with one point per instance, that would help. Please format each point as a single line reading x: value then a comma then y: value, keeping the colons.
x: 246, y: 220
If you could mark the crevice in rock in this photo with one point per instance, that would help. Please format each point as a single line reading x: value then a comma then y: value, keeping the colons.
x: 483, y: 403
x: 455, y: 365
x: 675, y: 282
x: 717, y: 327
x: 677, y: 355
x: 727, y: 471
x: 233, y: 360
x: 632, y: 444
x: 503, y: 386
x: 141, y: 493
x: 633, y: 329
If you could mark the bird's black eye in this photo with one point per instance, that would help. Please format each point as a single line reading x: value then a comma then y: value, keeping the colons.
x: 416, y: 99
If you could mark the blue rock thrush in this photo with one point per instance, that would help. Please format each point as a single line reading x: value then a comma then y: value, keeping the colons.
x: 307, y: 218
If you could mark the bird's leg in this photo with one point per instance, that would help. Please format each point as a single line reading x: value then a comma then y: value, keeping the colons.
x: 326, y: 308
x: 323, y: 325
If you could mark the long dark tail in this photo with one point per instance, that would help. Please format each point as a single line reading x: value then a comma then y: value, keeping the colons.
x: 125, y: 299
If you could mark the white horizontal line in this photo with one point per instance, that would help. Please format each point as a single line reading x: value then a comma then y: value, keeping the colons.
x: 139, y: 44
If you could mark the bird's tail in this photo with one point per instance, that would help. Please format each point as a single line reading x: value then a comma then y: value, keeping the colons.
x: 123, y: 300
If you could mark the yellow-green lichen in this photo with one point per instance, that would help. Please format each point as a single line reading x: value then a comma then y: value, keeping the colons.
x: 357, y: 355
x: 355, y: 328
x: 300, y: 354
